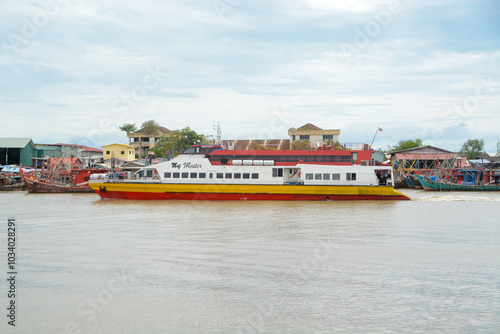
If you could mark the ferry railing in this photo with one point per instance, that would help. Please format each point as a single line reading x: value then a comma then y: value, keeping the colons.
x: 122, y: 178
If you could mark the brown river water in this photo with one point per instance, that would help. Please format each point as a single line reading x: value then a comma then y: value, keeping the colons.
x: 86, y: 265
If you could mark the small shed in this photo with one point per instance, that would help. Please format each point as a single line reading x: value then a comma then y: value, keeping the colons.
x: 17, y: 151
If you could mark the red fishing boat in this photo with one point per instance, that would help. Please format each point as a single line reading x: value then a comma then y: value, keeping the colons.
x: 62, y: 175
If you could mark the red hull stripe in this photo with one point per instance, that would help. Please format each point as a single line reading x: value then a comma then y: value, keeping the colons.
x: 240, y: 197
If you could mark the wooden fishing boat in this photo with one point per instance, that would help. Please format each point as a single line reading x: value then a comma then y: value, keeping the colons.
x: 433, y: 184
x: 73, y: 181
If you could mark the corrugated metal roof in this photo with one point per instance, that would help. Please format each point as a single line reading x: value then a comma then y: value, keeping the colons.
x: 15, y: 142
x: 426, y: 156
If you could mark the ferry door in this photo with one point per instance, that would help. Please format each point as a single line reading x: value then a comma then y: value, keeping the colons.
x: 292, y: 175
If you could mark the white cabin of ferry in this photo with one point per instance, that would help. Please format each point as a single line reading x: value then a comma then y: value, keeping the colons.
x: 211, y: 164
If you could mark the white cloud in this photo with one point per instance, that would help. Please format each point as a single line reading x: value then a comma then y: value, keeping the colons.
x: 263, y: 57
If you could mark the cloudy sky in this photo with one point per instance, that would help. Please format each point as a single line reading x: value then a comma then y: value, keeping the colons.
x: 74, y: 70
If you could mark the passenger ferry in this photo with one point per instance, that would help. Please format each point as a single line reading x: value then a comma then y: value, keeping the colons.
x: 209, y: 172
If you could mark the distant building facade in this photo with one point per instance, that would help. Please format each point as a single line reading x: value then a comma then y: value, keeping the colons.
x: 142, y: 141
x: 316, y: 136
x: 426, y: 158
x: 119, y: 151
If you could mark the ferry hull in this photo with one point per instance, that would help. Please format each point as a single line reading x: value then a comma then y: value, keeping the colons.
x: 243, y: 192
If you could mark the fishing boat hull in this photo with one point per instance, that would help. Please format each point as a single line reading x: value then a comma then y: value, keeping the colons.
x: 228, y: 192
x: 76, y: 181
x: 431, y: 185
x: 38, y: 186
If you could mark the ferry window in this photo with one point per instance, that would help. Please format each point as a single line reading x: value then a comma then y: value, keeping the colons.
x: 211, y: 175
x: 277, y: 172
x: 351, y: 176
x: 255, y: 175
x: 335, y: 176
x: 168, y: 175
x: 185, y: 175
x: 317, y: 176
x: 237, y: 175
x: 202, y: 175
x: 193, y: 175
x: 220, y: 175
x: 246, y: 175
x: 229, y: 176
x: 149, y: 173
x: 309, y: 176
x: 177, y: 175
x: 326, y: 176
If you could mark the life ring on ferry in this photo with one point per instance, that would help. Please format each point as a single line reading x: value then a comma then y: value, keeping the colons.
x: 156, y: 177
x: 300, y: 161
x: 299, y: 174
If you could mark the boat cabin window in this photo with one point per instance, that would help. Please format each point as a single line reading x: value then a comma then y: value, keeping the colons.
x: 177, y: 175
x: 237, y: 175
x: 255, y: 175
x: 220, y: 175
x: 149, y: 173
x: 309, y: 176
x: 351, y: 176
x: 277, y: 172
x: 168, y: 175
x: 193, y: 175
x: 210, y: 175
x: 336, y: 176
x: 198, y: 150
x: 202, y: 175
x: 185, y: 175
x: 246, y: 175
x: 326, y: 176
x: 317, y: 176
x: 229, y: 176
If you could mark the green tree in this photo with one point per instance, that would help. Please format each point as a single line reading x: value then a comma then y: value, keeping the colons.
x: 300, y: 145
x: 407, y: 144
x: 177, y: 141
x: 128, y: 128
x: 472, y: 148
x: 150, y: 127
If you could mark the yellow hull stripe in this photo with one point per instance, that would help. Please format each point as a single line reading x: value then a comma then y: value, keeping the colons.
x: 248, y: 189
